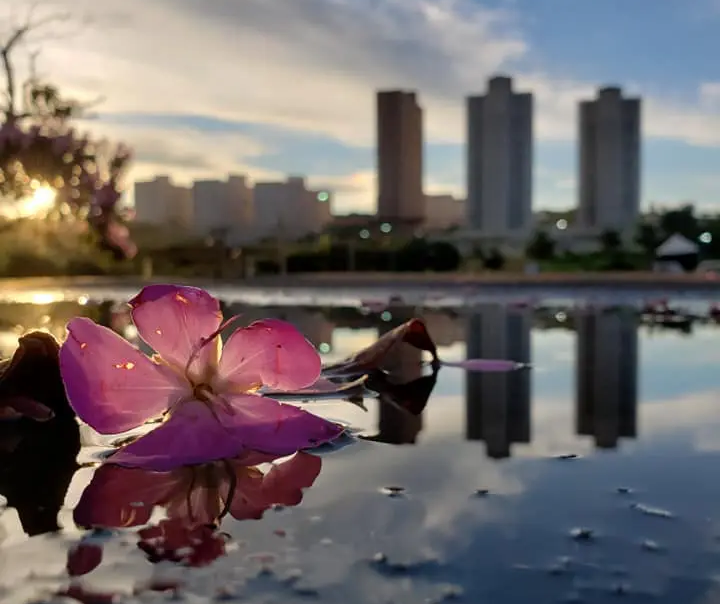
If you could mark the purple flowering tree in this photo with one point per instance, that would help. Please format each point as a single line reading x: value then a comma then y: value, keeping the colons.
x: 43, y: 158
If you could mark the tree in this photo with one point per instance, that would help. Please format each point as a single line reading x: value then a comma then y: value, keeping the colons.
x: 494, y: 261
x: 541, y: 247
x: 41, y: 152
x: 610, y: 241
x: 682, y: 221
x: 647, y: 237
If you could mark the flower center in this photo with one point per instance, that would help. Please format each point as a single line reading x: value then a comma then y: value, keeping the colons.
x: 203, y: 392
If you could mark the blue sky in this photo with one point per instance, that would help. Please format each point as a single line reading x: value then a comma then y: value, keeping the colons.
x: 270, y: 87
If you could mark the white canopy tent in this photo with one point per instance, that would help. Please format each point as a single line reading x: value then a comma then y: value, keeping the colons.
x: 677, y: 254
x: 677, y: 245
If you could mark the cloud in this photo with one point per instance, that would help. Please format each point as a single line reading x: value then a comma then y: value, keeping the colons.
x: 311, y: 67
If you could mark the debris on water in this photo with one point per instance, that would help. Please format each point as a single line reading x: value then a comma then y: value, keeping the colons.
x: 393, y: 491
x: 293, y: 576
x: 582, y: 534
x: 650, y: 545
x: 326, y: 541
x: 277, y: 507
x: 382, y: 564
x: 379, y: 558
x: 620, y: 589
x: 280, y: 532
x: 448, y: 592
x: 225, y: 594
x: 624, y: 490
x: 315, y: 519
x: 652, y: 511
x: 481, y: 492
x: 560, y: 567
x: 567, y: 456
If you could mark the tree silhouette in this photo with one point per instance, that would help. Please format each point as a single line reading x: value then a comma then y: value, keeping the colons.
x: 541, y: 247
x: 40, y: 149
x: 610, y: 241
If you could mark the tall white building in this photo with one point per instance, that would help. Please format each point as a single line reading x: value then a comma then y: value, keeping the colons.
x: 499, y: 161
x: 160, y: 202
x: 289, y: 210
x: 223, y: 206
x: 609, y: 162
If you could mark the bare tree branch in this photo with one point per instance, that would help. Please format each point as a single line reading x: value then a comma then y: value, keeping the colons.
x: 16, y: 38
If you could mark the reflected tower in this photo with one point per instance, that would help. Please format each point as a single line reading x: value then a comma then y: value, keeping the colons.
x: 607, y: 357
x: 497, y: 405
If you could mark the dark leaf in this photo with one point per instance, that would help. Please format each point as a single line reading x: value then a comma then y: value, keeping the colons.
x: 413, y: 332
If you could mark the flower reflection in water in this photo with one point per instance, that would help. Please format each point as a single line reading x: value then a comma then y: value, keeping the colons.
x: 195, y: 500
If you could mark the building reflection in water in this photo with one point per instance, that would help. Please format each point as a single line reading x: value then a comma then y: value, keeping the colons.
x: 606, y: 361
x: 497, y: 405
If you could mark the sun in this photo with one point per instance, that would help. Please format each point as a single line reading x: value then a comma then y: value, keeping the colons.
x: 39, y: 204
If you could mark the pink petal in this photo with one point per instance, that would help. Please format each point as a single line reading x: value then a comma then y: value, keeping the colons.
x: 192, y: 435
x: 122, y: 497
x: 285, y: 481
x: 265, y: 425
x: 283, y: 484
x: 112, y: 386
x: 269, y: 352
x: 489, y: 365
x: 174, y: 320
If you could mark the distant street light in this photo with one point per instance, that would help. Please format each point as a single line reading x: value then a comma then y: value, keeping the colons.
x: 364, y: 234
x: 561, y: 224
x: 385, y: 227
x: 705, y: 237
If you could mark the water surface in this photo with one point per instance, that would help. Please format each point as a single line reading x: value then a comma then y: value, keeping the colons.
x: 590, y: 477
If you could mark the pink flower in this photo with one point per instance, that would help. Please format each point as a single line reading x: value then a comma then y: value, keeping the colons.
x: 208, y: 393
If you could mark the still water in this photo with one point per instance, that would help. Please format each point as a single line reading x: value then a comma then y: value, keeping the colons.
x: 588, y: 478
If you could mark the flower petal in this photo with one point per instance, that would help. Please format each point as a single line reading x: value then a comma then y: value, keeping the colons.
x: 269, y: 352
x: 174, y: 320
x: 267, y: 426
x: 123, y: 497
x: 112, y: 386
x: 192, y: 435
x: 283, y: 484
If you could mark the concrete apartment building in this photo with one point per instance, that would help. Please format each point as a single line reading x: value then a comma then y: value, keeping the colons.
x: 399, y: 158
x: 160, y: 202
x: 223, y: 207
x: 499, y: 162
x: 609, y: 163
x: 289, y: 210
x: 443, y: 212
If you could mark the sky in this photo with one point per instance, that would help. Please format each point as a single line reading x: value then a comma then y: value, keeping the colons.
x: 200, y: 88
